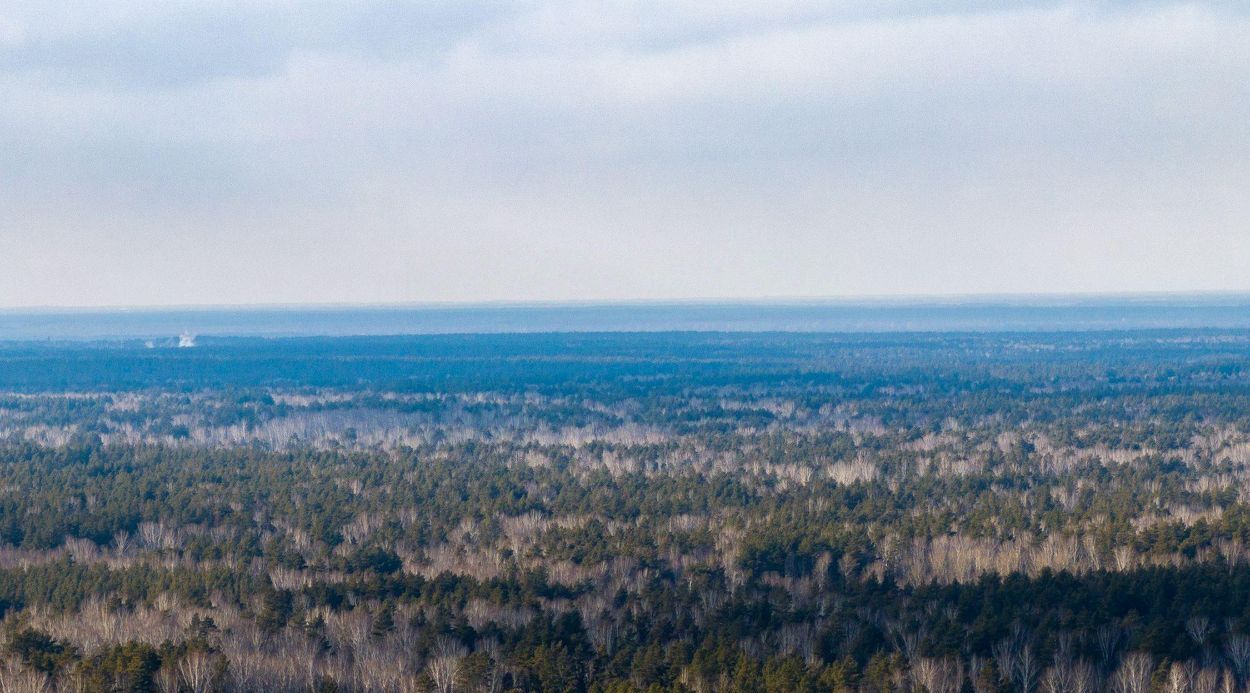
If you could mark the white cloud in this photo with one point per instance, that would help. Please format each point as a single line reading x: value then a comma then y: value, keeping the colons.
x: 561, y: 150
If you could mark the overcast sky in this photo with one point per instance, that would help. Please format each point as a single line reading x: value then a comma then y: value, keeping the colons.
x: 171, y: 152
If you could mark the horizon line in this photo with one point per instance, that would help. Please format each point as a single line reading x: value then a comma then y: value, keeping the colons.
x: 1017, y: 298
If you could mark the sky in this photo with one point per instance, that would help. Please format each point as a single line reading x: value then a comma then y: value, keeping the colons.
x: 171, y: 152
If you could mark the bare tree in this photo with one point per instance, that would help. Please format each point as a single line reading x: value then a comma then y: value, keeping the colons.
x: 198, y: 671
x: 167, y: 679
x: 74, y: 681
x: 15, y: 679
x: 1028, y: 670
x: 1199, y: 629
x: 982, y: 673
x: 1237, y: 650
x: 1064, y: 647
x: 1108, y: 639
x: 906, y: 640
x: 121, y: 542
x: 493, y: 682
x: 1133, y: 674
x: 1084, y: 678
x: 1228, y: 683
x: 444, y: 665
x: 1207, y: 680
x: 945, y: 675
x: 1005, y: 655
x: 1181, y: 677
x: 1018, y: 662
x: 1067, y: 675
x: 1058, y: 678
x: 1124, y: 557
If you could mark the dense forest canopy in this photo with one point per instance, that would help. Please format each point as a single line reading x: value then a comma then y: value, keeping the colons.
x: 615, y: 512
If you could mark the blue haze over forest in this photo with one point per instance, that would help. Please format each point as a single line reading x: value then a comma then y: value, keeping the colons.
x: 1045, y: 313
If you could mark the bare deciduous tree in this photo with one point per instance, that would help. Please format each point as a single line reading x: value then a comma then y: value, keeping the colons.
x: 1133, y: 674
x: 1018, y: 662
x: 444, y: 665
x: 945, y: 675
x: 1228, y: 683
x: 1069, y: 676
x: 16, y: 679
x: 1199, y: 629
x: 1181, y: 677
x: 198, y: 671
x: 1207, y: 680
x: 1237, y: 650
x: 1108, y: 640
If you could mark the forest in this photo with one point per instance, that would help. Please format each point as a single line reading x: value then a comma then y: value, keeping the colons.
x: 612, y: 512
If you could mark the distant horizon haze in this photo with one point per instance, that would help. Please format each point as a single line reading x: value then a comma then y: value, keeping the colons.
x: 932, y: 314
x: 935, y: 299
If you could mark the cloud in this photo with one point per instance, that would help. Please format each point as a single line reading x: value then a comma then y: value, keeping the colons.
x: 551, y: 149
x: 148, y: 44
x: 160, y: 45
